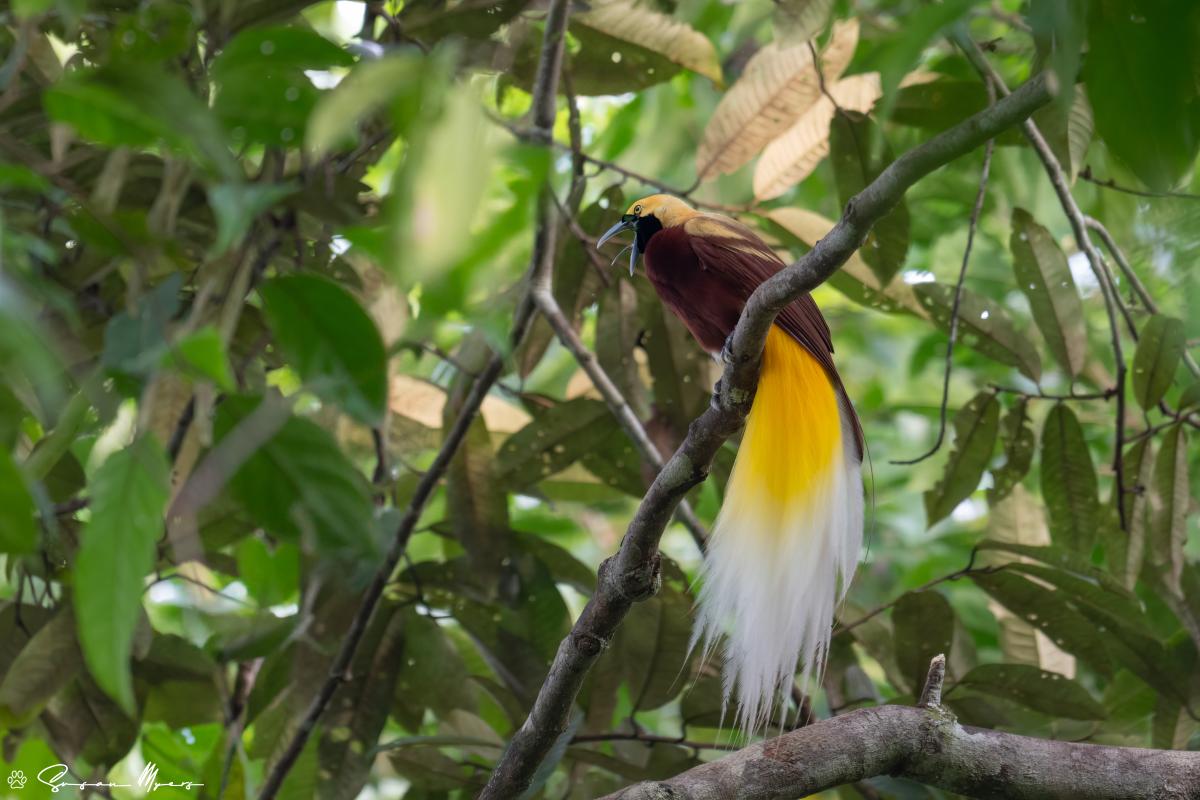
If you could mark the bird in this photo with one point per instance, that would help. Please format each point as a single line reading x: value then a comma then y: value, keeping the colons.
x: 786, y: 540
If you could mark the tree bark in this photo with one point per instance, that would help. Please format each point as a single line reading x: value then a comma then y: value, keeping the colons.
x: 928, y: 745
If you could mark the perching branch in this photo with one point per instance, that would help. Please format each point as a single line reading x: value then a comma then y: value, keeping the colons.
x: 972, y: 224
x: 927, y: 744
x: 543, y: 252
x: 631, y: 574
x: 1079, y: 228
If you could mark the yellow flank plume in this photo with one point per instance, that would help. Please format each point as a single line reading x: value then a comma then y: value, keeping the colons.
x: 794, y: 427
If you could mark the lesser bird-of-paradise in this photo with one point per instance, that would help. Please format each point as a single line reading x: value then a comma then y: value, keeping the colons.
x: 789, y: 531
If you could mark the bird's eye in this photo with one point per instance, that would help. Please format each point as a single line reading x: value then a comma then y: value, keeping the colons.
x: 637, y: 209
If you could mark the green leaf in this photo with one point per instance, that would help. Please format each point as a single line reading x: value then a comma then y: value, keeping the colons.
x: 1051, y: 612
x: 852, y: 137
x: 923, y: 627
x: 1043, y: 275
x: 137, y: 107
x: 1140, y: 73
x: 617, y: 329
x: 18, y: 531
x: 432, y: 673
x: 202, y: 354
x: 271, y: 574
x: 1126, y: 557
x: 982, y: 325
x: 49, y: 661
x: 263, y: 95
x: 299, y: 485
x: 1048, y: 692
x: 556, y: 438
x: 129, y: 495
x: 1069, y: 481
x: 1169, y: 505
x: 134, y: 343
x: 1059, y: 27
x: 1063, y: 559
x: 237, y: 204
x: 797, y: 21
x: 898, y: 53
x: 1160, y: 347
x: 1018, y: 442
x: 975, y: 428
x: 331, y: 342
x: 652, y: 648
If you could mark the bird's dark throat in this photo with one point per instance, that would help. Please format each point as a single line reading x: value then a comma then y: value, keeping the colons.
x: 646, y: 227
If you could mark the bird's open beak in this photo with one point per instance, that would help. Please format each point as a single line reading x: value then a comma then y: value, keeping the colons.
x: 627, y: 222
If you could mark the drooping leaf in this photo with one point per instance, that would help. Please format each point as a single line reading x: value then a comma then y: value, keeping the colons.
x: 555, y: 439
x: 654, y: 31
x: 794, y: 154
x: 1168, y: 508
x: 1159, y: 350
x: 48, y: 662
x: 1051, y: 612
x: 652, y: 646
x: 1048, y: 692
x: 1068, y: 481
x: 778, y: 85
x: 923, y: 625
x: 1059, y: 28
x: 1125, y: 557
x: 1043, y: 275
x: 1018, y: 442
x: 982, y: 325
x: 852, y: 141
x: 369, y: 87
x: 129, y: 495
x: 332, y: 342
x: 18, y: 531
x: 617, y: 330
x: 975, y: 427
x: 299, y: 485
x: 1068, y: 130
x: 1139, y: 68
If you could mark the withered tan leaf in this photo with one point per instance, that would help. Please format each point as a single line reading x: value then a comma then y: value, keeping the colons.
x: 652, y: 30
x: 777, y: 87
x: 793, y: 156
x: 423, y: 402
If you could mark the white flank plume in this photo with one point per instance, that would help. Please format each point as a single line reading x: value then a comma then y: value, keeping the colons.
x: 774, y: 574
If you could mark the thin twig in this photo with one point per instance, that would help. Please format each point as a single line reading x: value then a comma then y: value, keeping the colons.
x: 1040, y: 395
x: 1109, y: 183
x: 650, y: 738
x: 1079, y: 228
x: 972, y: 224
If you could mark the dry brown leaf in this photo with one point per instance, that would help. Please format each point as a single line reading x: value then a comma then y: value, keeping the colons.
x: 793, y: 156
x: 422, y: 402
x: 778, y: 86
x: 663, y: 34
x: 809, y: 227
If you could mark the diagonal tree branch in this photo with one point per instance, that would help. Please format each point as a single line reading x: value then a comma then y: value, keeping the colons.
x: 545, y: 94
x: 927, y: 744
x: 632, y: 573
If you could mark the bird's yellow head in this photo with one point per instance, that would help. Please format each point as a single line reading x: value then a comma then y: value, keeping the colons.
x: 647, y: 217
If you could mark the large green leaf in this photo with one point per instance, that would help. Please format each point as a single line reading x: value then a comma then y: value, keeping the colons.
x: 1140, y: 75
x: 1052, y: 612
x: 128, y: 497
x: 853, y: 138
x: 49, y: 661
x: 923, y: 627
x: 1069, y: 481
x: 652, y: 648
x: 1169, y: 505
x: 1043, y: 275
x: 556, y: 438
x: 1018, y: 441
x: 298, y: 484
x: 1048, y: 692
x: 331, y: 342
x: 975, y: 428
x: 18, y: 531
x: 982, y: 325
x: 1159, y: 350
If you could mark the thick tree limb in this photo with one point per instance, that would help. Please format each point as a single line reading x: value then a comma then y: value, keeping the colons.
x: 632, y: 573
x: 928, y: 745
x: 545, y: 92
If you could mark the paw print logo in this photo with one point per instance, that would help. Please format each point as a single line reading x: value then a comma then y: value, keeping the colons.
x: 16, y: 780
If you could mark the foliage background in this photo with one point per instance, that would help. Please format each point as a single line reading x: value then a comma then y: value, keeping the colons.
x: 253, y: 254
